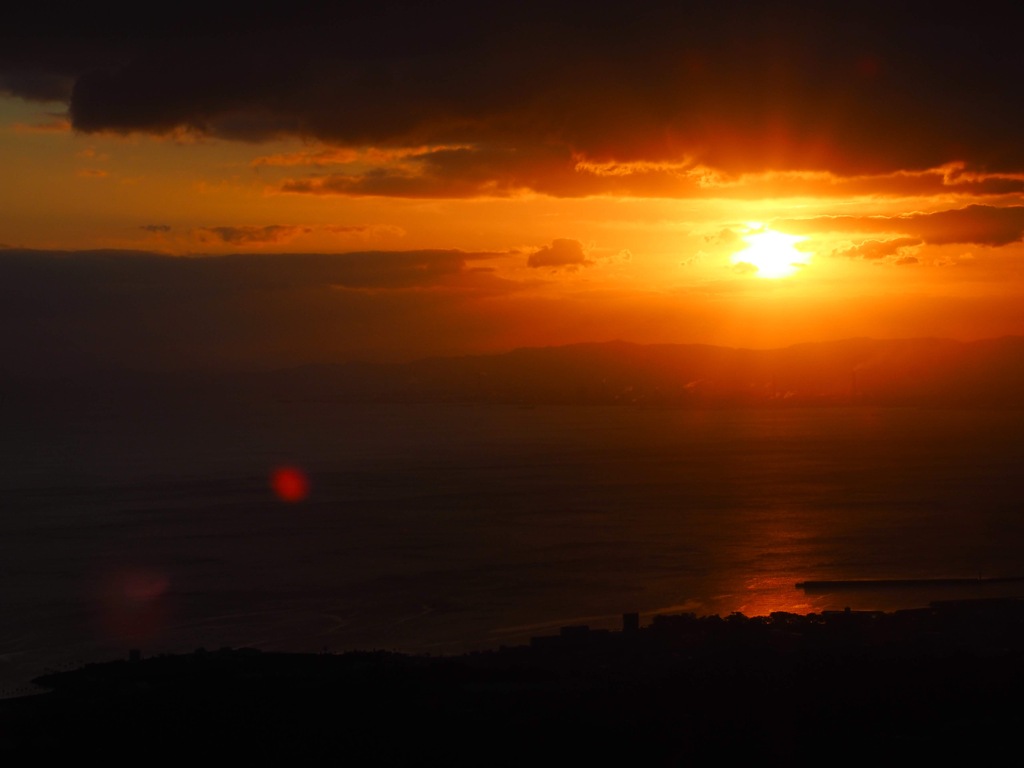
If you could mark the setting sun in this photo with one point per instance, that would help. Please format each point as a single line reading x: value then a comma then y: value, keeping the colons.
x: 772, y: 254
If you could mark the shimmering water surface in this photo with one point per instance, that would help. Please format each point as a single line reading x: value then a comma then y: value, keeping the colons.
x: 445, y: 528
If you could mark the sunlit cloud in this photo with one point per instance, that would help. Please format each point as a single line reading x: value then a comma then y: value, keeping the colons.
x: 979, y: 224
x: 878, y: 249
x: 318, y: 157
x: 52, y: 124
x: 561, y: 254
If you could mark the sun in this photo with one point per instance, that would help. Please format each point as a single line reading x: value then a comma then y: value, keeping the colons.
x: 772, y: 254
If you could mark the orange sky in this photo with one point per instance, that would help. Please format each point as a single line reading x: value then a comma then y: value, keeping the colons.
x: 510, y: 179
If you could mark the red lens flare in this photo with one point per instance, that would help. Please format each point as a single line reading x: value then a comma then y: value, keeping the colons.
x: 290, y: 484
x: 132, y: 605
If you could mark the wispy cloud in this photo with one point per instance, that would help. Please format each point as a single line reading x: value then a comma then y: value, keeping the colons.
x: 250, y: 235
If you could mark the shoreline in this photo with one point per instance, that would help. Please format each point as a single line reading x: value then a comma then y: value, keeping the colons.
x: 782, y: 688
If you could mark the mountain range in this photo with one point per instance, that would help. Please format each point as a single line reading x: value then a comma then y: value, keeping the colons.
x: 928, y: 372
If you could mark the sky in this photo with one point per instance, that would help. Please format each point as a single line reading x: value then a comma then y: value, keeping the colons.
x: 392, y: 180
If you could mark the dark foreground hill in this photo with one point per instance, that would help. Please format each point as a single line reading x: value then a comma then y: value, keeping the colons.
x: 837, y: 688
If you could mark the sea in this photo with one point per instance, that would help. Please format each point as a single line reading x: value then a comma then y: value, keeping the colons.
x: 447, y: 528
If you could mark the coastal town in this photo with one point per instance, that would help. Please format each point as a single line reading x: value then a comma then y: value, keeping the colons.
x: 678, y: 689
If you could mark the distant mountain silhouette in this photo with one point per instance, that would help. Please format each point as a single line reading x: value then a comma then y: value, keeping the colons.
x: 930, y: 372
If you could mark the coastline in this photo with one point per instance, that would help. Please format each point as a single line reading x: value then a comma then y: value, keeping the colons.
x: 780, y: 688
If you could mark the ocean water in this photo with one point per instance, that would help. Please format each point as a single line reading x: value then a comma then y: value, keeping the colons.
x: 446, y: 528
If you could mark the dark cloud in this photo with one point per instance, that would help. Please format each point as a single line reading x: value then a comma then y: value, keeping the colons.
x: 35, y: 85
x: 562, y: 253
x: 976, y: 224
x: 64, y: 311
x: 143, y: 269
x: 156, y: 228
x: 740, y: 86
x: 980, y: 224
